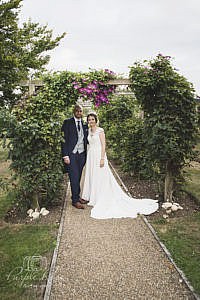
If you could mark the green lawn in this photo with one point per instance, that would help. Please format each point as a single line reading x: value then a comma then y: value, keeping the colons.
x: 24, y: 250
x: 6, y: 198
x: 181, y: 236
x: 192, y: 185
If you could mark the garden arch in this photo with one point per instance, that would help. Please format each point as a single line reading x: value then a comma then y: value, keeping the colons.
x: 165, y: 96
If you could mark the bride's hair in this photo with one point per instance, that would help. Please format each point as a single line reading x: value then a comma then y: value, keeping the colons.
x: 92, y: 115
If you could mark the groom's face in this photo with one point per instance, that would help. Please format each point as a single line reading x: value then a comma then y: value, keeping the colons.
x: 78, y: 113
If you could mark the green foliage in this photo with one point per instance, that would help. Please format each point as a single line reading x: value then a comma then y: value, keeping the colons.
x: 7, y: 201
x: 113, y: 118
x: 23, y: 50
x: 20, y: 246
x: 35, y: 144
x: 34, y: 128
x: 124, y: 134
x: 181, y: 236
x: 168, y: 101
x: 192, y: 179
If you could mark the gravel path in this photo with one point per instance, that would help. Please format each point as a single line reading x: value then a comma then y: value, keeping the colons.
x: 112, y: 259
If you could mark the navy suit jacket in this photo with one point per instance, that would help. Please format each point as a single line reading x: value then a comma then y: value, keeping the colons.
x: 71, y: 136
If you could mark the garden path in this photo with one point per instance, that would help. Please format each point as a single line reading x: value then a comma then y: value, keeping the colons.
x: 112, y: 259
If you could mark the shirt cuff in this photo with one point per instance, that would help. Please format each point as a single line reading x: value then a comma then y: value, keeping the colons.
x: 65, y: 156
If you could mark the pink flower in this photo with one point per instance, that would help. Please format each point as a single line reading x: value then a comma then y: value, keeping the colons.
x: 109, y: 71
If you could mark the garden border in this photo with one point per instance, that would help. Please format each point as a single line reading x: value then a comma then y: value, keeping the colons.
x: 163, y: 247
x: 47, y: 292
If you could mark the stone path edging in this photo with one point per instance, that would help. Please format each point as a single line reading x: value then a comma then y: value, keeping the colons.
x: 55, y: 253
x: 166, y: 251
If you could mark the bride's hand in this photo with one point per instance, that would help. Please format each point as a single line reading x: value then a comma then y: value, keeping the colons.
x: 102, y: 163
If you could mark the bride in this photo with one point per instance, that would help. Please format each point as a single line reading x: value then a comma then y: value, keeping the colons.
x: 100, y: 186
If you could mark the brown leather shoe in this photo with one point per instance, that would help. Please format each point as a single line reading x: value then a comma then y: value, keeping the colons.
x: 82, y: 201
x: 78, y: 205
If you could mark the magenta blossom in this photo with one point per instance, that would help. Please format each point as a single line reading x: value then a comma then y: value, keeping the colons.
x: 97, y: 91
x: 109, y: 71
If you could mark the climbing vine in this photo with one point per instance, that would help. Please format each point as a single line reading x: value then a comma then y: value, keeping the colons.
x: 35, y: 131
x: 170, y: 126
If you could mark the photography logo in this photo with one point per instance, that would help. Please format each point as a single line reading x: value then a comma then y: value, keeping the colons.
x: 34, y: 263
x: 34, y: 268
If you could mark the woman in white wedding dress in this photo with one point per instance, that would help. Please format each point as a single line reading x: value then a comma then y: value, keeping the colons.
x: 100, y: 186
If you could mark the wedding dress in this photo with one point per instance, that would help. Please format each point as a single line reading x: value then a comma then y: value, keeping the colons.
x: 103, y: 191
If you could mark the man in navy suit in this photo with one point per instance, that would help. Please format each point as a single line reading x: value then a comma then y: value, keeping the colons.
x: 74, y: 152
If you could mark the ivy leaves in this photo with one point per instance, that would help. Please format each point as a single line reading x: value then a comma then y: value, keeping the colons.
x: 168, y: 101
x: 35, y: 131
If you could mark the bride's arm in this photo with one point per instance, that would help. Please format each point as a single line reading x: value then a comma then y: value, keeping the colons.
x: 103, y: 147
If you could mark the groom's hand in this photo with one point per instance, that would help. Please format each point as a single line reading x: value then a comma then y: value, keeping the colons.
x: 66, y: 160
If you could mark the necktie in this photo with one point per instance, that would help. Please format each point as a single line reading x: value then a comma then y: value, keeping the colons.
x: 79, y: 128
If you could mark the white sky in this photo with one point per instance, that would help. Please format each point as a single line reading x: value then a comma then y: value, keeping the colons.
x: 115, y: 33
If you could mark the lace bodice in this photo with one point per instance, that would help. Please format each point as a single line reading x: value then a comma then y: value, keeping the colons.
x: 94, y: 139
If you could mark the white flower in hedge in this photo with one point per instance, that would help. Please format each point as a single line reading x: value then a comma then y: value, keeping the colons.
x: 168, y: 211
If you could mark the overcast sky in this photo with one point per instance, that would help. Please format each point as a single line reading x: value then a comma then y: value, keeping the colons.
x: 115, y: 33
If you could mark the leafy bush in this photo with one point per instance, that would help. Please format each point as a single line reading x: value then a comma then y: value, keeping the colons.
x: 35, y: 127
x: 168, y: 101
x: 125, y: 135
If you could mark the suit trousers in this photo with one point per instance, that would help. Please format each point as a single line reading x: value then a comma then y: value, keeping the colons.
x: 77, y: 162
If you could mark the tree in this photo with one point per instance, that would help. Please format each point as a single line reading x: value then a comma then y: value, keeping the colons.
x: 23, y: 50
x: 169, y: 105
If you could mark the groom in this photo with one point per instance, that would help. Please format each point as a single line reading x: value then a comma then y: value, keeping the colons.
x: 74, y: 152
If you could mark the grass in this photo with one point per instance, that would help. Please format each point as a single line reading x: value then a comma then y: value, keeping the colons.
x: 4, y: 163
x: 23, y: 249
x: 6, y: 198
x: 181, y: 235
x: 3, y: 153
x: 192, y: 185
x: 182, y: 238
x: 6, y: 202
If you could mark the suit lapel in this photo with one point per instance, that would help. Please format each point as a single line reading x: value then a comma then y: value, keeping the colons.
x: 74, y: 127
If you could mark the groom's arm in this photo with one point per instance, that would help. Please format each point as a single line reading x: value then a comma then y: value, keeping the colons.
x: 65, y: 143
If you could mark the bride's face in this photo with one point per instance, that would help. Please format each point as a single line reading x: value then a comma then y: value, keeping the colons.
x: 91, y: 121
